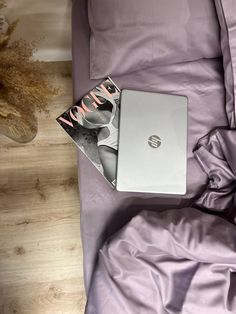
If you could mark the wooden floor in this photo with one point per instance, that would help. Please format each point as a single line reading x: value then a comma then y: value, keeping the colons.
x: 40, y: 247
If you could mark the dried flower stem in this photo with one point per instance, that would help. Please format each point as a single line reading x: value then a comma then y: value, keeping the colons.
x: 23, y: 83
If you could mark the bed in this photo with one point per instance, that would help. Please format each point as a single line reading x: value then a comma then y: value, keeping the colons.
x: 119, y: 230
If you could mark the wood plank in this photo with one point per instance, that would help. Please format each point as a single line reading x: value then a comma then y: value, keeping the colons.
x: 41, y: 256
x: 59, y: 295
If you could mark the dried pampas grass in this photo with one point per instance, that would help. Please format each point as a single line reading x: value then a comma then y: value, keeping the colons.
x: 24, y: 85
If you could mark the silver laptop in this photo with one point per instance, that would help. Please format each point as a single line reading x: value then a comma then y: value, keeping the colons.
x: 152, y: 153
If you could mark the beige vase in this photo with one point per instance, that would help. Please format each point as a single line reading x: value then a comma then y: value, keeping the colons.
x: 20, y: 127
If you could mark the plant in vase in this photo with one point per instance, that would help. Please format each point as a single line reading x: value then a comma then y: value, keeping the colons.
x: 24, y: 87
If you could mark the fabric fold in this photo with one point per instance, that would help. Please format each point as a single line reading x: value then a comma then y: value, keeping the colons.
x: 216, y: 154
x: 179, y: 261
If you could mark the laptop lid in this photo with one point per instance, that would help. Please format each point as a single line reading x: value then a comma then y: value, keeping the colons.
x: 152, y: 154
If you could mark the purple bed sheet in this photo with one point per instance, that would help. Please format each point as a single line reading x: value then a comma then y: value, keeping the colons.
x: 210, y: 88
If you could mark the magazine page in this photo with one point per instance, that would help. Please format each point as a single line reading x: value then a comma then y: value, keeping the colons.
x: 93, y: 125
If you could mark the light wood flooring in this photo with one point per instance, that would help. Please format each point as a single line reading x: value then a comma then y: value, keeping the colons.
x: 40, y: 247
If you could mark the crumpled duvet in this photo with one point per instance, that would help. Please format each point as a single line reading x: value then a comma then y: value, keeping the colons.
x: 178, y: 261
x: 216, y: 153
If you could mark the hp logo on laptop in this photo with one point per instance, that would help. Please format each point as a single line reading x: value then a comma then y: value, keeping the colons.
x: 154, y: 141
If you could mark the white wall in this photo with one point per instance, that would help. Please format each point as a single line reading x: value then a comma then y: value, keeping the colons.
x: 46, y: 20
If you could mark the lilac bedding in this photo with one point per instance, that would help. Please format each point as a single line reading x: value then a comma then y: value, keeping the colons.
x: 177, y: 280
x: 128, y: 36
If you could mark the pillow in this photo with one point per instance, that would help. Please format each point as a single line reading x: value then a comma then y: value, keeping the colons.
x: 128, y: 35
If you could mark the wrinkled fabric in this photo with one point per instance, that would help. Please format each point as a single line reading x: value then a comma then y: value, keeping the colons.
x: 171, y: 262
x: 216, y: 153
x: 129, y: 35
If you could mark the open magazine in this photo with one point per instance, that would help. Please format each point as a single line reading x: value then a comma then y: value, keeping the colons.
x: 93, y: 125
